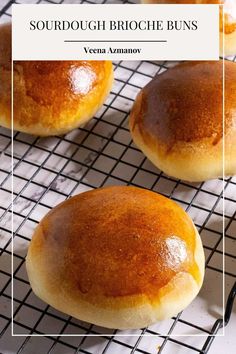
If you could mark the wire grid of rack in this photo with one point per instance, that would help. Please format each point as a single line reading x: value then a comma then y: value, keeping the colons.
x: 48, y: 171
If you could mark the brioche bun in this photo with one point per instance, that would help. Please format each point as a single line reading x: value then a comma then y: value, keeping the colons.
x: 177, y: 120
x: 50, y: 97
x: 118, y: 257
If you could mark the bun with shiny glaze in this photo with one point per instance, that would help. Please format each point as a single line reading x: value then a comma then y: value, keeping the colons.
x: 177, y: 120
x: 50, y: 97
x: 118, y: 257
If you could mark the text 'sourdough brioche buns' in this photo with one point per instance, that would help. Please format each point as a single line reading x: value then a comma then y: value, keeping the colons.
x: 229, y: 20
x: 50, y: 97
x: 177, y: 120
x: 118, y: 257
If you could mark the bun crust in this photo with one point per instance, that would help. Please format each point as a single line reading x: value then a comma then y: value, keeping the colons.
x: 5, y: 75
x: 125, y: 256
x: 52, y: 97
x: 229, y: 20
x: 177, y: 120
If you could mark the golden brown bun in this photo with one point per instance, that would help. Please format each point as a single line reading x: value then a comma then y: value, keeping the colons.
x: 118, y: 257
x: 51, y: 97
x: 177, y: 120
x: 229, y: 20
x: 5, y: 75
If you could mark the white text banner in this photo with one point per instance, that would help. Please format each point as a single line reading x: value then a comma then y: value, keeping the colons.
x: 115, y: 32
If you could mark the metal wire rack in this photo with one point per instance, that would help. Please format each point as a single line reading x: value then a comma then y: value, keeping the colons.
x: 47, y: 171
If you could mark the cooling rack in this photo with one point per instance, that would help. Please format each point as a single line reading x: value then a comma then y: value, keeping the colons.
x: 48, y: 171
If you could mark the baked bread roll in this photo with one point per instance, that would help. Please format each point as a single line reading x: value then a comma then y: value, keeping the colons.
x: 229, y: 27
x: 50, y: 97
x: 5, y: 75
x: 177, y: 120
x: 118, y: 257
